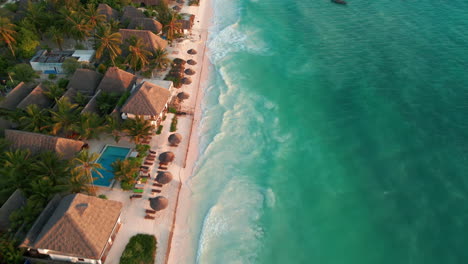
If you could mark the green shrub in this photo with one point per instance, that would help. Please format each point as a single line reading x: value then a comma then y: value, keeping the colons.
x: 123, y: 99
x: 62, y: 83
x: 125, y: 185
x: 142, y: 149
x: 102, y: 68
x: 158, y: 132
x: 172, y: 110
x: 174, y: 124
x: 141, y: 249
x: 52, y: 76
x: 102, y: 196
x: 79, y: 46
x: 146, y: 74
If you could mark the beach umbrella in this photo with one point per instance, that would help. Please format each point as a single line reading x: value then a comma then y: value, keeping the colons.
x: 179, y: 61
x: 177, y: 8
x: 166, y: 157
x: 158, y: 203
x: 191, y: 62
x: 186, y: 80
x: 183, y: 96
x: 175, y: 139
x: 189, y: 72
x: 191, y: 51
x: 164, y: 177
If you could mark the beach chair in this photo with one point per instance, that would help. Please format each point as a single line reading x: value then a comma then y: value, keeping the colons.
x: 149, y: 211
x: 152, y: 152
x: 148, y: 163
x: 155, y: 191
x: 162, y: 167
x: 138, y: 190
x: 144, y: 167
x: 157, y: 184
x: 135, y: 196
x: 150, y: 217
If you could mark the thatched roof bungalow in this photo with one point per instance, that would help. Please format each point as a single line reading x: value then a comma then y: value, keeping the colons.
x: 109, y: 12
x: 129, y: 13
x: 15, y: 96
x: 38, y: 143
x: 152, y: 41
x: 37, y: 97
x: 117, y: 81
x: 80, y: 228
x: 146, y: 23
x: 148, y: 100
x: 85, y: 81
x: 14, y: 202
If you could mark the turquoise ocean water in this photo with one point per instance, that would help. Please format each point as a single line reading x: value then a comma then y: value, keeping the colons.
x: 334, y: 134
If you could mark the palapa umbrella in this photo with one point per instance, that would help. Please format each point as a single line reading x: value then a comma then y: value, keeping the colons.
x: 164, y: 177
x: 166, y: 157
x: 186, y: 80
x: 183, y: 95
x: 191, y: 51
x: 191, y: 62
x: 179, y: 61
x: 175, y: 139
x: 177, y: 8
x: 158, y: 203
x: 189, y: 72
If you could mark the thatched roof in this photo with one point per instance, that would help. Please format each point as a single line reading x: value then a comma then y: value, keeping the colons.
x: 158, y: 203
x: 15, y: 202
x: 146, y: 23
x: 191, y: 51
x: 149, y: 2
x: 38, y: 143
x: 15, y: 96
x: 152, y: 41
x: 183, y: 95
x: 117, y: 81
x: 189, y: 72
x: 148, y: 99
x: 92, y: 106
x: 108, y: 11
x: 186, y: 80
x: 187, y: 22
x: 80, y: 226
x: 166, y: 157
x: 191, y: 62
x: 175, y: 139
x: 164, y: 177
x: 179, y: 61
x: 130, y: 12
x: 37, y: 97
x: 85, y: 81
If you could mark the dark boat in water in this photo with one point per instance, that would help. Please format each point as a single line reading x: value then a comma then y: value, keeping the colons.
x: 340, y: 2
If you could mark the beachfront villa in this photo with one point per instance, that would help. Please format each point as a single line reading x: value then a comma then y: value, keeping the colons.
x: 147, y: 100
x: 78, y: 228
x: 152, y: 41
x: 186, y: 22
x: 36, y: 97
x: 51, y: 61
x: 38, y: 143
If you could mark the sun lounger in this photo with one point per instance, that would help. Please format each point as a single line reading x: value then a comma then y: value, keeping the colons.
x: 148, y: 163
x: 157, y: 184
x: 149, y: 217
x: 143, y: 180
x: 152, y: 152
x: 138, y: 190
x: 139, y: 186
x: 144, y: 167
x: 149, y: 211
x: 135, y: 196
x: 155, y: 191
x: 162, y: 167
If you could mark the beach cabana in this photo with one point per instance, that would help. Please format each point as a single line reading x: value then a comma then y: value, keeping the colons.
x: 189, y: 72
x: 158, y: 203
x: 166, y: 157
x: 191, y: 51
x: 191, y: 62
x: 175, y: 139
x: 186, y: 80
x: 164, y: 177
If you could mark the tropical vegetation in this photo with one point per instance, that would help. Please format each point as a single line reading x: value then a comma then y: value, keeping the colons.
x: 141, y: 249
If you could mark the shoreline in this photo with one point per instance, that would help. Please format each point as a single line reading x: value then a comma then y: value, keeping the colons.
x: 178, y: 244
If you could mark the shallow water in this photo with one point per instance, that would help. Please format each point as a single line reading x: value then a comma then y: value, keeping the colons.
x: 334, y: 134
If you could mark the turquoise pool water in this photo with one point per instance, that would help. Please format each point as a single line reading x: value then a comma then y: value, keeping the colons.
x: 109, y: 155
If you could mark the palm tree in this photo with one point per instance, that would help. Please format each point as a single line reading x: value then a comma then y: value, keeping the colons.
x: 44, y: 189
x: 54, y: 92
x: 56, y: 34
x: 90, y: 126
x: 138, y: 54
x: 93, y: 18
x: 65, y: 118
x: 16, y: 165
x: 113, y: 127
x: 34, y: 119
x: 173, y: 27
x: 78, y: 26
x: 86, y: 164
x: 78, y: 183
x: 124, y: 169
x: 7, y: 33
x: 160, y: 59
x: 108, y: 42
x: 138, y: 128
x: 50, y: 166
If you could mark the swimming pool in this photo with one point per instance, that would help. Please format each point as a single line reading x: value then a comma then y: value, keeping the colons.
x: 108, y: 156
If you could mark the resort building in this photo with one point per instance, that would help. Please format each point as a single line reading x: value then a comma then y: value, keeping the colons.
x: 148, y: 101
x: 146, y: 23
x: 51, y: 61
x: 37, y: 97
x: 12, y: 99
x: 84, y: 81
x: 38, y: 143
x: 117, y: 81
x: 152, y: 41
x: 109, y: 12
x: 186, y: 22
x: 78, y: 228
x: 130, y: 13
